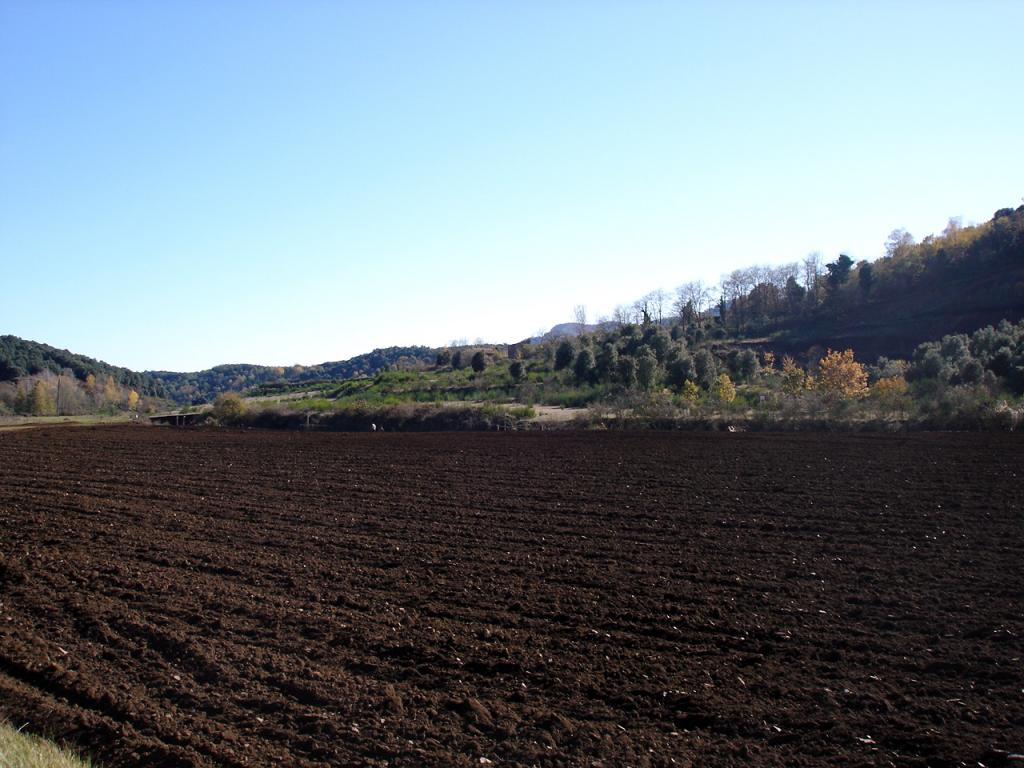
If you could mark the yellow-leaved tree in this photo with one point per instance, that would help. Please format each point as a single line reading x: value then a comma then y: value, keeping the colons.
x: 890, y: 392
x: 228, y: 408
x: 133, y: 400
x: 724, y: 390
x: 111, y: 392
x: 793, y: 377
x: 842, y: 377
x: 41, y: 400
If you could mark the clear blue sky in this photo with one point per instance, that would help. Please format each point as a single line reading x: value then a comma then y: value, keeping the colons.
x: 199, y: 182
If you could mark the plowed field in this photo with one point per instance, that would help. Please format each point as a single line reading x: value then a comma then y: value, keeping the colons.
x: 200, y: 598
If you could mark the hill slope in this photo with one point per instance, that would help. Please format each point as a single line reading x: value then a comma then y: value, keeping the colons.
x: 956, y: 282
x: 21, y: 357
x: 204, y: 386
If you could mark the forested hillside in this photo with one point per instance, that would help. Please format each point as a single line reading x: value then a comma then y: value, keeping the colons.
x: 40, y: 380
x: 204, y: 386
x: 20, y: 358
x: 955, y: 282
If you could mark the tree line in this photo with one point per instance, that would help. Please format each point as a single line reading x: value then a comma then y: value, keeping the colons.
x: 651, y: 375
x: 63, y: 394
x: 203, y: 386
x: 20, y: 358
x: 971, y: 275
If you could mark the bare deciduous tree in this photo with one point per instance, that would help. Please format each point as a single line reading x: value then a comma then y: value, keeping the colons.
x: 658, y: 299
x: 898, y: 243
x: 642, y: 309
x: 579, y: 313
x: 693, y: 297
x: 812, y: 271
x: 735, y: 287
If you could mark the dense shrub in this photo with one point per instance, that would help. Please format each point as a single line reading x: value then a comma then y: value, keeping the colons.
x: 228, y: 408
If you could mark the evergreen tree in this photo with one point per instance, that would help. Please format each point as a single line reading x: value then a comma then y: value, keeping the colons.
x: 564, y: 355
x: 838, y: 272
x: 747, y: 366
x: 865, y: 278
x: 607, y: 361
x: 647, y: 369
x: 706, y: 368
x: 584, y: 366
x: 627, y: 372
x: 680, y: 370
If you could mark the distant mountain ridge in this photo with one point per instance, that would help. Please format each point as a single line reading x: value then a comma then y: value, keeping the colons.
x: 571, y: 330
x: 204, y: 386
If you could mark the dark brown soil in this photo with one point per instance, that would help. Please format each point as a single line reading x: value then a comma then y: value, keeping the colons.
x: 197, y: 598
